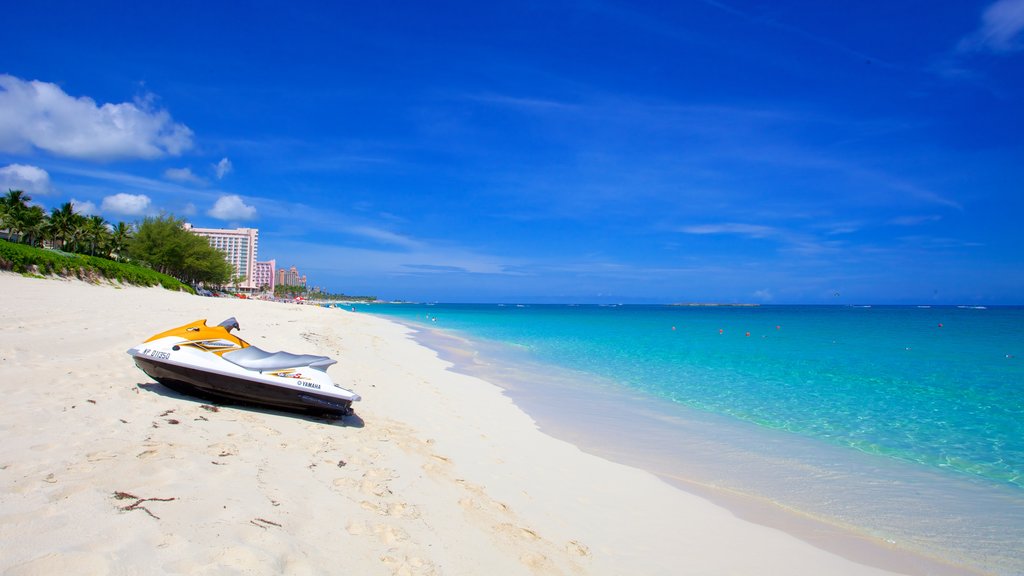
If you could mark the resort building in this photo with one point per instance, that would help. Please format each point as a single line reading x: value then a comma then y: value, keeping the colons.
x: 239, y: 247
x: 290, y: 277
x: 265, y: 275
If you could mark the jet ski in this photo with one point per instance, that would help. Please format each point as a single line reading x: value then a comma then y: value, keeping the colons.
x: 211, y: 362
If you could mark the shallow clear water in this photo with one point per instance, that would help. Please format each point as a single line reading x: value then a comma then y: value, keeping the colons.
x: 876, y: 399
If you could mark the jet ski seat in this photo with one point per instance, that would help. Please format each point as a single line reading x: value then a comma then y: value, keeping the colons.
x: 253, y: 358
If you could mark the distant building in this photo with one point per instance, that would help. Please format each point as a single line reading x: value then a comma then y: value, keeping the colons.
x: 239, y: 247
x: 265, y: 275
x: 290, y: 277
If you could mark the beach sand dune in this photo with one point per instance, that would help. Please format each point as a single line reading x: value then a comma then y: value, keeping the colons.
x: 103, y: 471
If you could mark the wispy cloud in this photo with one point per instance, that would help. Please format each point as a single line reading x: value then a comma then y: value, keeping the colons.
x: 521, y: 102
x: 617, y: 150
x: 999, y: 33
x: 165, y: 195
x: 1000, y: 30
x: 37, y: 115
x: 184, y: 175
x: 384, y: 236
x: 732, y: 228
x: 428, y: 260
x: 222, y: 168
x: 916, y: 220
x: 840, y: 228
x: 788, y: 241
x: 907, y: 188
x: 823, y: 41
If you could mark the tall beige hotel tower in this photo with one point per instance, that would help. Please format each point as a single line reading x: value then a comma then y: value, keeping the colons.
x: 239, y: 246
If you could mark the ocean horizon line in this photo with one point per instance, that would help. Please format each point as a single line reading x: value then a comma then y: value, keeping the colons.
x: 513, y: 303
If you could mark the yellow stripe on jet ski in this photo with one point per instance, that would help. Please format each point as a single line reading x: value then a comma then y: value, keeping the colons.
x: 199, y: 333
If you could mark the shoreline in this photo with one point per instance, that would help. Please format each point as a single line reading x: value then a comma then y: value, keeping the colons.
x: 595, y: 434
x: 441, y: 473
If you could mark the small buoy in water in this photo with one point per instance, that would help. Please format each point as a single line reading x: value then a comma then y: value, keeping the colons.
x: 940, y: 324
x: 673, y: 328
x: 748, y: 333
x: 778, y: 327
x: 720, y: 331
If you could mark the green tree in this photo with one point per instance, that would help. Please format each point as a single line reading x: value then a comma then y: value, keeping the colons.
x: 12, y: 209
x: 164, y: 245
x: 65, y: 226
x: 119, y: 237
x: 33, y: 222
x: 95, y: 232
x: 153, y: 242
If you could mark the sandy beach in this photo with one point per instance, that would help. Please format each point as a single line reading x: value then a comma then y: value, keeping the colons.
x: 103, y: 471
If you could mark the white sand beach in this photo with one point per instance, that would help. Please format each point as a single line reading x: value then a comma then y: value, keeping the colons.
x: 103, y: 471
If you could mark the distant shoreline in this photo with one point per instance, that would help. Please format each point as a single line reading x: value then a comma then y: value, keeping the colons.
x: 714, y: 304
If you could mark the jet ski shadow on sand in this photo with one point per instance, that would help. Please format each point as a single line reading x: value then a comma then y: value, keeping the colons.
x: 211, y: 363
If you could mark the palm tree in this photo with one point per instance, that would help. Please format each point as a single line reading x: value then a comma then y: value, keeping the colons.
x: 64, y: 225
x: 5, y: 218
x: 16, y: 199
x: 119, y: 237
x: 33, y: 224
x: 94, y: 229
x: 14, y: 204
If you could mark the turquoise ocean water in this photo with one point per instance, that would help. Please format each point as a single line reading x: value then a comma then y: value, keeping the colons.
x: 902, y: 423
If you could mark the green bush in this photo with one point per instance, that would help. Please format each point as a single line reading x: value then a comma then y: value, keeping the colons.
x: 21, y: 258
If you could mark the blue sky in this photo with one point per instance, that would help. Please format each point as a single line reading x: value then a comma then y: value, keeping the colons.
x: 699, y: 150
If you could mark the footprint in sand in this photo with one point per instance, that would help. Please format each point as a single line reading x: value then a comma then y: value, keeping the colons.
x: 409, y: 566
x: 517, y: 532
x: 222, y: 450
x: 100, y: 455
x: 374, y: 488
x: 356, y: 528
x: 574, y: 548
x: 537, y: 562
x: 373, y: 482
x: 393, y: 509
x: 387, y: 534
x: 345, y: 484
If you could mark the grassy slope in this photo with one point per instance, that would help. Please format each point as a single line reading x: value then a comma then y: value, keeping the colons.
x: 29, y: 260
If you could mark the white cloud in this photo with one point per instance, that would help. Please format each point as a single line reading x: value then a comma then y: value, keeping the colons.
x: 1000, y: 31
x: 126, y: 204
x: 84, y: 207
x: 183, y: 175
x: 222, y: 168
x: 29, y: 179
x: 915, y: 220
x: 750, y: 230
x: 232, y: 208
x: 40, y: 115
x: 385, y: 236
